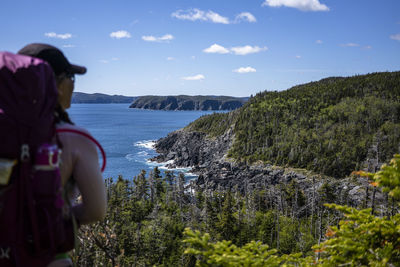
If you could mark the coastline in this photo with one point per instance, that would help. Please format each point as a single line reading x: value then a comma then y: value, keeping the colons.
x: 166, y: 165
x: 207, y: 158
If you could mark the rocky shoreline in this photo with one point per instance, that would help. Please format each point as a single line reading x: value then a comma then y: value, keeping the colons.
x: 207, y: 158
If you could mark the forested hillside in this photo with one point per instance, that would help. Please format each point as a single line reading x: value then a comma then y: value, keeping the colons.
x: 333, y: 126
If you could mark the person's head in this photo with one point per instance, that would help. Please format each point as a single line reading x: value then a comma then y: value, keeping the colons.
x: 63, y: 70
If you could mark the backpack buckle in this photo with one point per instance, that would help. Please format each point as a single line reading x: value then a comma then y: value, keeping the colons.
x: 24, y: 152
x: 5, y: 253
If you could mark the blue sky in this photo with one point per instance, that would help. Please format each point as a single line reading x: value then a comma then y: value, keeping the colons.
x: 204, y: 47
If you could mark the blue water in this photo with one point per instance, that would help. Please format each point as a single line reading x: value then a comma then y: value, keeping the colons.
x: 127, y: 134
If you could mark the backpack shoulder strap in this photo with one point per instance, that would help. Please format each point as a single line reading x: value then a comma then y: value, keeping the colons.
x: 91, y: 138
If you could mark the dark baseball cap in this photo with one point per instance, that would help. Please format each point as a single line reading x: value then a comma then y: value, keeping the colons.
x: 53, y: 56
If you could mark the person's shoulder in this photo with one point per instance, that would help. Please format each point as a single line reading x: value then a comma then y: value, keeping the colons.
x: 76, y: 138
x: 66, y: 128
x: 74, y: 133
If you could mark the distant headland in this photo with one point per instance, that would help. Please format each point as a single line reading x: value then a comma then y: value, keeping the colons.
x: 97, y: 98
x: 185, y: 102
x: 180, y: 102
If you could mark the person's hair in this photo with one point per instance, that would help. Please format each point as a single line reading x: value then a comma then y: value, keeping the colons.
x: 61, y: 115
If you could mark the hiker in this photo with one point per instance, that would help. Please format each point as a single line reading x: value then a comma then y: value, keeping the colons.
x: 79, y: 168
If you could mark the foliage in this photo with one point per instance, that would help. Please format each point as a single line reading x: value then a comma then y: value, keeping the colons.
x: 272, y: 227
x: 332, y: 126
x: 224, y: 253
x: 137, y: 230
x: 362, y: 238
x: 389, y: 177
x: 214, y: 125
x: 147, y: 215
x: 359, y: 239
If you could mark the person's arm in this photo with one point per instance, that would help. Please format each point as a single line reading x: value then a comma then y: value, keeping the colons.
x: 87, y: 175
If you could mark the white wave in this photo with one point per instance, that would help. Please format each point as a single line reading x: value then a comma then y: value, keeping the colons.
x: 149, y: 144
x: 158, y: 164
x: 191, y: 175
x: 153, y: 164
x: 143, y: 153
x: 163, y: 166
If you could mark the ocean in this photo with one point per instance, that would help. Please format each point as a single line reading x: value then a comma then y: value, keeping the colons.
x: 128, y: 135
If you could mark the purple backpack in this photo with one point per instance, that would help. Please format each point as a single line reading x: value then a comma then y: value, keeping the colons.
x: 32, y: 226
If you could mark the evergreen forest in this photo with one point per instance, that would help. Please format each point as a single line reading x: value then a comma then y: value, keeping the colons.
x: 333, y: 126
x: 156, y: 220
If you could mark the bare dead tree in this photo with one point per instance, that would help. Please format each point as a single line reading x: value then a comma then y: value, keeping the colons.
x: 373, y: 201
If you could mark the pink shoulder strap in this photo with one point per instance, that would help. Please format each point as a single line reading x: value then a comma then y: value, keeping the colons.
x: 103, y: 154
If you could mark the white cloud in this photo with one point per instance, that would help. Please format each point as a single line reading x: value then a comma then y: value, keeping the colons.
x: 120, y: 34
x: 58, y: 36
x: 395, y: 37
x: 216, y: 18
x: 245, y: 70
x: 211, y: 16
x: 149, y: 38
x: 215, y: 48
x: 238, y: 50
x: 104, y: 61
x: 303, y: 5
x: 197, y: 77
x: 318, y: 42
x: 114, y: 58
x: 247, y: 49
x: 69, y: 46
x: 350, y: 45
x: 170, y: 58
x: 246, y: 16
x: 197, y: 14
x: 367, y: 47
x: 164, y: 38
x: 298, y: 57
x: 191, y: 14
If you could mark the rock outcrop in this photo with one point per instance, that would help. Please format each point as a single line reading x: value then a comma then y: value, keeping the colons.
x: 207, y: 157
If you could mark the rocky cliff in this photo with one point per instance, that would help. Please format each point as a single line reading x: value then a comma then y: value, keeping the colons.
x: 184, y: 102
x: 207, y: 157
